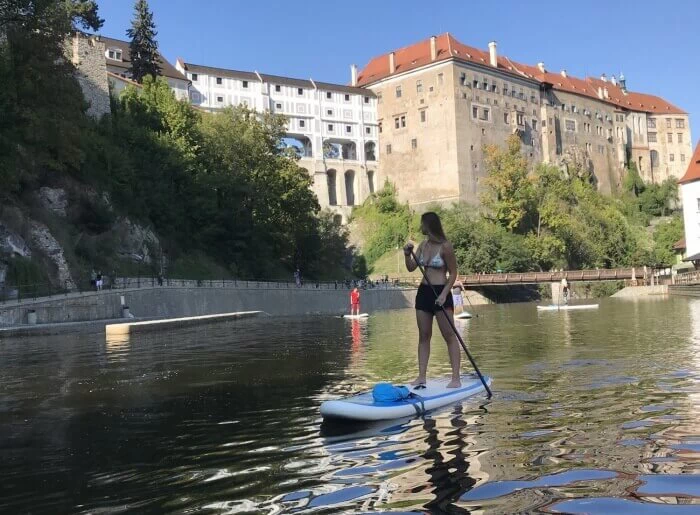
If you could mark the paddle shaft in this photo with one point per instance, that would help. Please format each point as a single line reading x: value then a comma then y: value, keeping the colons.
x: 452, y: 325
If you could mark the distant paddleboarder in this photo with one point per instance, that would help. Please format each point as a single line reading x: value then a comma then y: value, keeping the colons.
x: 437, y: 256
x: 355, y: 301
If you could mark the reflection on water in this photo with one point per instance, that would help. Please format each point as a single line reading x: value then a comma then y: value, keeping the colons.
x: 594, y: 412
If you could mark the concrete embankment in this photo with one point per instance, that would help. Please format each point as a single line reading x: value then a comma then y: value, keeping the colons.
x: 642, y: 291
x: 685, y: 290
x: 172, y: 302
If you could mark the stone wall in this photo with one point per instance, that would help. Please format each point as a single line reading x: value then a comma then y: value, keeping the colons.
x: 183, y: 302
x: 87, y: 54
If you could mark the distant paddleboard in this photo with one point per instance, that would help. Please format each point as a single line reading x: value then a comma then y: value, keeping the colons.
x: 463, y: 315
x: 361, y: 315
x: 434, y: 395
x: 566, y: 307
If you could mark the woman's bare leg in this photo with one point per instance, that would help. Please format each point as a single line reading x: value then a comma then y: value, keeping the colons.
x: 425, y: 332
x: 452, y: 346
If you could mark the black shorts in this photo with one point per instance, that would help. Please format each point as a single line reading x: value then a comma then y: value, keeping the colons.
x: 425, y: 298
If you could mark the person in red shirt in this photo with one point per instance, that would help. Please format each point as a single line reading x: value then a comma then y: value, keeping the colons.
x: 355, y: 302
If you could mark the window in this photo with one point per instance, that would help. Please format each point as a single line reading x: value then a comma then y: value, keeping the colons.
x: 278, y: 88
x: 219, y: 80
x: 505, y: 89
x: 379, y: 125
x: 368, y: 130
x: 463, y: 79
x: 669, y: 137
x: 245, y: 84
x: 397, y: 123
x: 300, y: 91
x: 330, y: 127
x: 379, y: 98
x: 220, y: 99
x: 348, y: 129
x: 573, y: 108
x: 329, y: 95
x: 302, y: 123
x: 475, y: 83
x: 419, y: 86
x: 682, y: 158
x: 115, y: 54
x: 366, y: 100
x: 485, y: 114
x: 414, y: 143
x: 398, y: 91
x: 278, y: 106
x: 347, y: 98
x: 329, y: 112
x: 668, y: 123
x: 422, y: 115
x: 475, y: 112
x: 651, y: 123
x: 441, y: 79
x: 388, y: 149
x: 570, y: 126
x: 671, y: 157
x: 680, y: 123
x: 506, y: 118
x: 520, y: 119
x: 403, y: 121
x: 652, y: 137
x: 680, y: 137
x: 534, y: 125
x: 195, y: 77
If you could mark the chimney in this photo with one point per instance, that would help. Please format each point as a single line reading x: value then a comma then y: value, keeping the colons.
x: 540, y: 67
x: 493, y: 55
x: 600, y: 92
x: 433, y: 48
x: 605, y: 92
x: 392, y: 62
x: 603, y: 78
x: 613, y: 80
x: 353, y: 75
x: 563, y: 73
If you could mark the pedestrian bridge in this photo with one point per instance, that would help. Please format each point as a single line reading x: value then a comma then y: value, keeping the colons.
x: 507, y: 279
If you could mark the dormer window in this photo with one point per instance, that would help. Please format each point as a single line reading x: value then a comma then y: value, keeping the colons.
x: 115, y: 54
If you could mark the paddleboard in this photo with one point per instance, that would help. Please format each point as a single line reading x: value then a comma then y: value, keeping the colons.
x: 565, y: 307
x: 463, y: 315
x: 361, y: 315
x: 434, y: 395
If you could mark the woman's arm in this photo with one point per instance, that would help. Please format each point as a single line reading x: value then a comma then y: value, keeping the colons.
x: 448, y: 254
x: 411, y: 264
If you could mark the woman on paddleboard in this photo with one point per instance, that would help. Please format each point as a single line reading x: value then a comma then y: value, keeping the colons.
x: 436, y: 255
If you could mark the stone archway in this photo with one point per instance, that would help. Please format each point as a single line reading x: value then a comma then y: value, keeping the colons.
x: 331, y: 181
x: 350, y: 187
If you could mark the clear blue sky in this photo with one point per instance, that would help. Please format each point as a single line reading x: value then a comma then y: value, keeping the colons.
x: 656, y: 49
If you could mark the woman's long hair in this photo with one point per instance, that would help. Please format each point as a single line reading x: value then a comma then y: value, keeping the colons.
x: 433, y: 224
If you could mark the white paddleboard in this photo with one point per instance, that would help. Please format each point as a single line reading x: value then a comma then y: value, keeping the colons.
x: 566, y: 307
x: 463, y: 315
x: 361, y: 315
x: 434, y: 395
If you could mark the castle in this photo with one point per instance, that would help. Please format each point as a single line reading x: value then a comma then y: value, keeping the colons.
x: 420, y: 116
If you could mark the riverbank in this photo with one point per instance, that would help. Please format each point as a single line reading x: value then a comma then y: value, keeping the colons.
x: 175, y: 302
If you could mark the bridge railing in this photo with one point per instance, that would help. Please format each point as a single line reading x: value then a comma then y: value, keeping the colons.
x: 618, y: 274
x: 687, y: 278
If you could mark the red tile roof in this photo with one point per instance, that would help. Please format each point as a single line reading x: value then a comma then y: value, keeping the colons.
x: 418, y: 55
x: 693, y: 171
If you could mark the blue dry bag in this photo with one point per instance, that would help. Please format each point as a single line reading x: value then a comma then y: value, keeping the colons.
x: 387, y: 392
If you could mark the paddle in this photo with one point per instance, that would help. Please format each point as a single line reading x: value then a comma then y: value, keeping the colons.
x: 449, y: 321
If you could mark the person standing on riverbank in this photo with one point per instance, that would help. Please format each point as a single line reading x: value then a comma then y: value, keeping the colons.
x: 437, y: 256
x: 355, y: 301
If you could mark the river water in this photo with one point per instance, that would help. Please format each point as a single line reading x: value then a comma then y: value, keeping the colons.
x: 593, y: 412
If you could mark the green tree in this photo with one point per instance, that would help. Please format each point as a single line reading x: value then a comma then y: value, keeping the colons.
x: 666, y: 235
x: 143, y: 47
x: 509, y: 195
